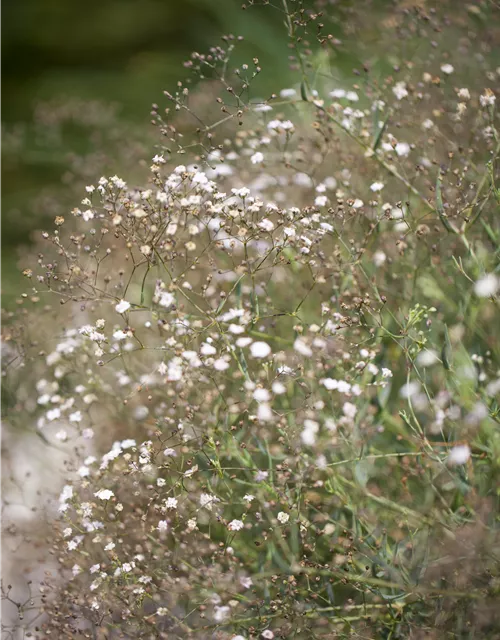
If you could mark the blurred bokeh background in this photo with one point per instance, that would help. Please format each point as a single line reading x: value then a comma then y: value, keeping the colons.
x: 78, y: 81
x: 70, y: 68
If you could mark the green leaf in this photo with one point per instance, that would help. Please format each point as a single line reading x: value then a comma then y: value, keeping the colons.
x: 303, y: 91
x: 440, y: 206
x: 446, y: 350
x: 362, y: 472
x: 379, y: 133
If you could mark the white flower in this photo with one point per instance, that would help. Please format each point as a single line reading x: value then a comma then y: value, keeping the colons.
x: 260, y: 349
x: 266, y: 225
x: 403, y: 149
x: 264, y: 413
x: 261, y: 395
x: 110, y: 546
x: 372, y: 368
x: 301, y: 347
x: 377, y: 186
x: 243, y: 342
x: 399, y: 90
x: 285, y: 125
x: 268, y: 634
x: 248, y: 497
x: 447, y: 68
x: 459, y: 455
x: 104, y: 494
x: 320, y: 201
x: 260, y: 476
x: 207, y: 349
x: 75, y: 417
x: 165, y: 299
x: 330, y: 383
x: 118, y: 182
x: 379, y: 258
x: 221, y: 364
x: 53, y: 414
x: 235, y: 525
x: 191, y: 472
x: 386, y: 373
x: 337, y: 93
x: 242, y: 193
x: 221, y: 613
x: 488, y: 98
x: 287, y: 93
x: 122, y: 306
x: 283, y: 517
x: 349, y: 410
x: 207, y: 500
x: 257, y: 158
x: 278, y: 388
x: 66, y: 494
x: 171, y: 503
x: 128, y: 443
x: 200, y: 178
x: 301, y: 179
x: 357, y: 204
x: 487, y: 285
x: 246, y: 582
x: 191, y: 524
x: 73, y: 544
x: 162, y: 525
x: 263, y: 108
x: 427, y: 358
x: 309, y: 432
x: 409, y: 389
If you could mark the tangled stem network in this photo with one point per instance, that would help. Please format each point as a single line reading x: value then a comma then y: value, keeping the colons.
x: 286, y: 344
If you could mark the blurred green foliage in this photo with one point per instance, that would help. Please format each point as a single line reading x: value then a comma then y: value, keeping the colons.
x: 120, y: 50
x: 115, y: 51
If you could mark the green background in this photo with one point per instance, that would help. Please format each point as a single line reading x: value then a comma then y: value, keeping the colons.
x: 124, y: 52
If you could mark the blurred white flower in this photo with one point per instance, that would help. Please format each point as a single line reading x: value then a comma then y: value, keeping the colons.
x: 235, y: 525
x: 260, y: 349
x: 104, y: 494
x: 447, y: 68
x: 122, y: 306
x: 459, y: 455
x: 487, y: 285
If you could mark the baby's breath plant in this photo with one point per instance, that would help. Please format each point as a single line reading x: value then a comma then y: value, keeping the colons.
x: 286, y: 345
